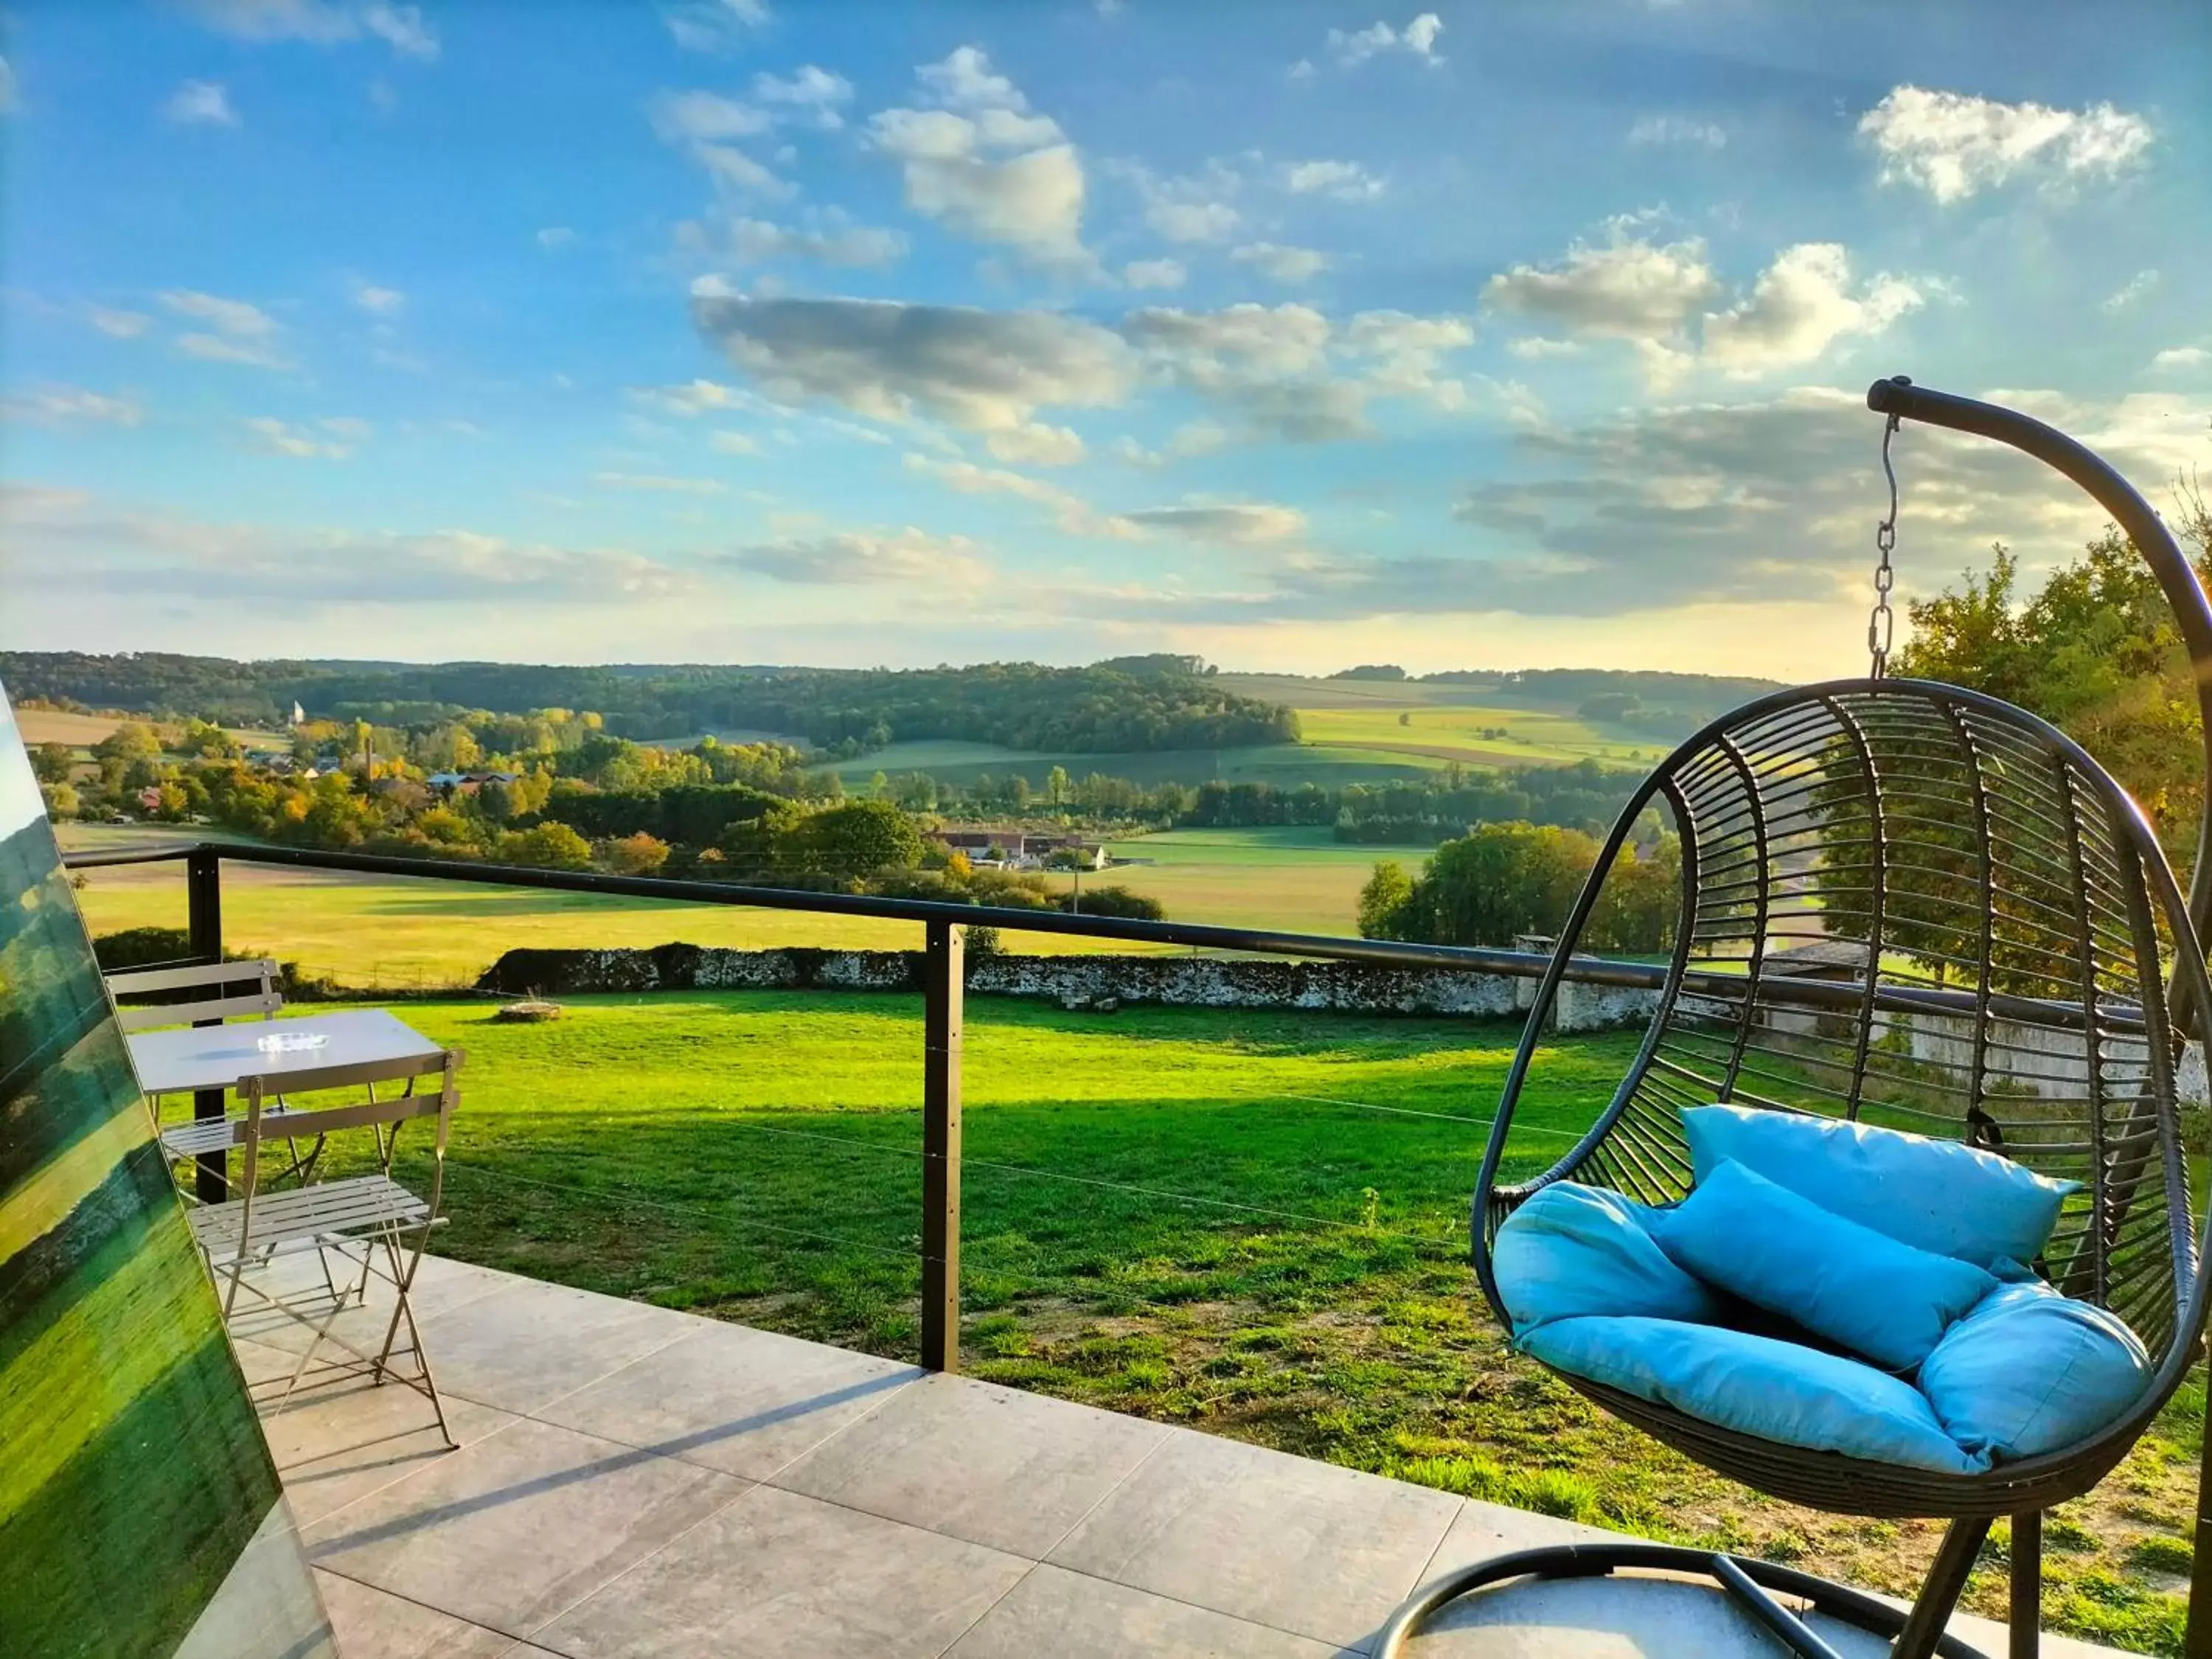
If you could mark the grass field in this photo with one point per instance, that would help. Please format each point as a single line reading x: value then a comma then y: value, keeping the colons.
x: 1469, y: 733
x: 1252, y: 1223
x: 1299, y: 880
x: 82, y: 731
x: 377, y: 931
x: 1286, y: 765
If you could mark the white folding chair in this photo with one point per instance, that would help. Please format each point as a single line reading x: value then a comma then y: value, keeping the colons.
x: 243, y: 1238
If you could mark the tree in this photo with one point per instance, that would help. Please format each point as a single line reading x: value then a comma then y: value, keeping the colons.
x: 61, y: 799
x: 133, y: 740
x: 860, y: 838
x: 54, y: 762
x: 1056, y: 786
x: 208, y: 740
x: 547, y: 847
x: 639, y: 854
x: 1382, y: 901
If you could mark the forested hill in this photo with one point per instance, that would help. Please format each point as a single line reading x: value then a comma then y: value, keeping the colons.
x: 1134, y: 704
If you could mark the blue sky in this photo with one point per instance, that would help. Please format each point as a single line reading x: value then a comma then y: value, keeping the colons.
x: 1499, y: 334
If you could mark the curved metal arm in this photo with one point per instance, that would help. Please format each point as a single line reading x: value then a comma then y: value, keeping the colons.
x: 2192, y: 614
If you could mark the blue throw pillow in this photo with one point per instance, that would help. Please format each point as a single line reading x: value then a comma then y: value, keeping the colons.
x: 1571, y: 1251
x: 1933, y: 1194
x: 1779, y: 1391
x: 1838, y: 1279
x: 2030, y: 1370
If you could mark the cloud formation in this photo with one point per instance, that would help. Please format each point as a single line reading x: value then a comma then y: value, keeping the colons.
x: 1953, y: 145
x: 322, y: 22
x: 1656, y: 297
x: 243, y: 333
x: 200, y: 103
x: 863, y: 558
x: 67, y: 405
x: 1278, y: 263
x: 986, y: 167
x: 986, y: 372
x: 1417, y: 39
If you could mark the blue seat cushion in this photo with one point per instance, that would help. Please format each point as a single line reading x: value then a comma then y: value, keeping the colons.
x: 1778, y: 1391
x: 1935, y: 1195
x: 1859, y: 1288
x: 2029, y: 1370
x: 1571, y: 1251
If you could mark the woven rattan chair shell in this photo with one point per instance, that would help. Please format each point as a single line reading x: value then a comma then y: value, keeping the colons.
x: 1921, y: 907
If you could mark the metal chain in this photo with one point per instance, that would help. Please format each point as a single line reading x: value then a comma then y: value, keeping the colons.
x: 1882, y: 625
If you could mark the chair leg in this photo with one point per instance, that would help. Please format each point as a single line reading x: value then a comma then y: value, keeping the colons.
x: 2026, y: 1611
x: 1938, y: 1596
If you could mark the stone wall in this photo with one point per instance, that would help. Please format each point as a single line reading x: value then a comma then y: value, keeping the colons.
x: 1072, y: 981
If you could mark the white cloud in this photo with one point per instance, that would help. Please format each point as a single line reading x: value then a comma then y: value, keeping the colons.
x: 2181, y: 357
x: 680, y: 117
x: 556, y: 236
x: 1343, y: 181
x: 1769, y: 501
x: 1536, y: 346
x: 859, y: 558
x: 984, y: 167
x: 1651, y: 295
x: 275, y: 437
x: 1192, y: 222
x: 982, y: 371
x: 2130, y: 292
x: 200, y: 103
x: 1625, y: 290
x: 1418, y: 37
x: 1036, y: 445
x: 734, y: 443
x: 69, y: 543
x: 1244, y: 523
x: 661, y: 483
x: 693, y: 398
x: 716, y: 26
x: 1279, y: 264
x: 734, y: 170
x: 244, y: 332
x: 215, y: 348
x: 1154, y: 273
x: 1953, y: 145
x: 1194, y: 438
x: 117, y: 325
x: 1073, y: 515
x: 1677, y: 130
x: 812, y: 94
x: 1799, y: 307
x: 1276, y: 369
x: 827, y: 236
x: 66, y: 405
x: 379, y: 301
x: 355, y: 430
x: 239, y: 318
x: 323, y: 22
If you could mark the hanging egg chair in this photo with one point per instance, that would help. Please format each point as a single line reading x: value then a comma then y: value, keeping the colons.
x: 1910, y: 905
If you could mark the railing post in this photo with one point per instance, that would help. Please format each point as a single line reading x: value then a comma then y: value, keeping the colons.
x: 203, y: 920
x: 942, y: 988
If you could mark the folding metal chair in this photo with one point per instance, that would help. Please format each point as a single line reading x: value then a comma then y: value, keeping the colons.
x: 389, y: 1224
x: 184, y: 1143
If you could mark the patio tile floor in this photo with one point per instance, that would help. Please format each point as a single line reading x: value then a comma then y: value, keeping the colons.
x: 639, y: 1483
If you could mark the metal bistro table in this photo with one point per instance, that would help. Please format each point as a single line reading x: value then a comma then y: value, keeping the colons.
x: 207, y: 1061
x: 210, y: 1057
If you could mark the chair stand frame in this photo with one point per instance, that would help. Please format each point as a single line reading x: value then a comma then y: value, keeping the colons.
x: 1917, y: 1634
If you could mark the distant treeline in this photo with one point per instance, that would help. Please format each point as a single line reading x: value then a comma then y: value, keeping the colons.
x: 1127, y: 704
x: 1415, y: 813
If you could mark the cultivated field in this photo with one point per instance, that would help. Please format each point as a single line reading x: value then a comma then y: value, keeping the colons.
x: 1252, y: 1223
x: 81, y: 732
x: 1284, y: 765
x: 394, y: 932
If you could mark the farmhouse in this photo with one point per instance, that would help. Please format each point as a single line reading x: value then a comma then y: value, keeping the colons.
x: 1019, y: 849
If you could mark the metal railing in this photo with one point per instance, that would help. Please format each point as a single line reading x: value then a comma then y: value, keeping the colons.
x: 944, y: 984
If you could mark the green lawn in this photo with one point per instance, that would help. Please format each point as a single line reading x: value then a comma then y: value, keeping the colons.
x: 1252, y: 1223
x: 1305, y: 880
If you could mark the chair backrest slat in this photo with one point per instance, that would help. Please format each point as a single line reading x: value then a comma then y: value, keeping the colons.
x: 136, y: 981
x: 145, y: 1016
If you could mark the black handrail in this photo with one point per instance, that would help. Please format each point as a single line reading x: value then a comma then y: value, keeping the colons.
x: 1609, y: 971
